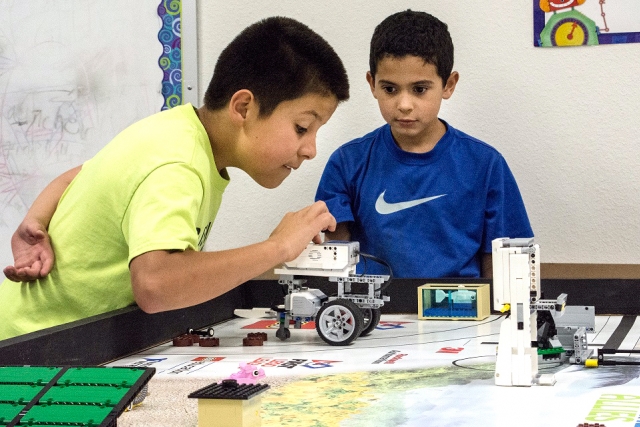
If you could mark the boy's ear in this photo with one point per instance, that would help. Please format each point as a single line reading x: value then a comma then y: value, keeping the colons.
x: 450, y: 85
x: 241, y: 102
x: 372, y: 83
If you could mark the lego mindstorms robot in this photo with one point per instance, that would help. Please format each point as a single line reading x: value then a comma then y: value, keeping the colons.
x: 340, y: 318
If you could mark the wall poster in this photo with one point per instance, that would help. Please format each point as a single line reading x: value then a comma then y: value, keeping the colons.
x: 585, y: 22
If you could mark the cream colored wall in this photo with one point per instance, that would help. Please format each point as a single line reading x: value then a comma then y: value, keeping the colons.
x: 566, y: 119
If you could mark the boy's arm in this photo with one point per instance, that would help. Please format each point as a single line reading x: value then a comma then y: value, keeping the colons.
x: 168, y: 280
x: 505, y: 213
x: 342, y: 233
x: 32, y: 253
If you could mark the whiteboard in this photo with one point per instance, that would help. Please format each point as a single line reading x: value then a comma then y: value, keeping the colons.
x: 74, y: 73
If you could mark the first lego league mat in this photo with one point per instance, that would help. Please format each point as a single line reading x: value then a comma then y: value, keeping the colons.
x: 407, y: 372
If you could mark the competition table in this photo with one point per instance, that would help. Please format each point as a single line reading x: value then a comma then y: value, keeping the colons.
x: 408, y: 372
x: 405, y: 373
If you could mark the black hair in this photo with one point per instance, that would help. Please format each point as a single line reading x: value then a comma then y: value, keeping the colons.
x: 277, y: 59
x: 413, y: 33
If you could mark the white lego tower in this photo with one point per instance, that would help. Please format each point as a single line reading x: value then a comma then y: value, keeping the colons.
x: 516, y: 289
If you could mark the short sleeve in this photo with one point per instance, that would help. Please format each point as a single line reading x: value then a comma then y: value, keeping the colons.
x: 163, y: 211
x: 334, y: 190
x: 505, y: 213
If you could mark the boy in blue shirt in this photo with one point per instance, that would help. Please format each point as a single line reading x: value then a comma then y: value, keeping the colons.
x: 130, y: 223
x: 417, y: 193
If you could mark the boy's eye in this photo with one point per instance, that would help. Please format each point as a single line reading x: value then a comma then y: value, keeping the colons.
x: 300, y: 130
x: 388, y: 89
x: 420, y: 89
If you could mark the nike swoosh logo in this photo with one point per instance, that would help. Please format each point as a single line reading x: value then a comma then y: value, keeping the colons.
x: 385, y: 208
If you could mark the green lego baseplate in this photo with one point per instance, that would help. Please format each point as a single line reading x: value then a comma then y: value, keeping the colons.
x: 68, y: 396
x: 552, y: 350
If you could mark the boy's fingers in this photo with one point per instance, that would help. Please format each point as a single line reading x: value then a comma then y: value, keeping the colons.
x: 25, y: 262
x: 33, y: 271
x: 10, y: 273
x: 317, y: 208
x: 328, y: 222
x: 46, y: 267
x: 13, y: 274
x: 26, y: 274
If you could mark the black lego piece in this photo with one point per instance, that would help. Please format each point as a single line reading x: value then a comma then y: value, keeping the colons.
x: 229, y: 389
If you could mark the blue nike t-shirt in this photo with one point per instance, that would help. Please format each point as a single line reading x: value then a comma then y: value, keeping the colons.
x: 428, y: 215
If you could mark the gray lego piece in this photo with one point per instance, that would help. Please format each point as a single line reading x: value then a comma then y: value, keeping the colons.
x: 572, y: 328
x: 577, y: 315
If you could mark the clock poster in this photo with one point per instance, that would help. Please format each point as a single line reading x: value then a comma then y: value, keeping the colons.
x: 585, y: 22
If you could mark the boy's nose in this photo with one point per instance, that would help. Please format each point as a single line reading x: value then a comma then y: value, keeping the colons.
x: 308, y: 148
x: 404, y: 103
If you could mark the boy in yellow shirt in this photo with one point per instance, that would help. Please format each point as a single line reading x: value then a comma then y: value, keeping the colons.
x: 129, y: 224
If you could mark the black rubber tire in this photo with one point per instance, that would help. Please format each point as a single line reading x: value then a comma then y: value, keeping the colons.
x: 371, y: 320
x: 283, y: 334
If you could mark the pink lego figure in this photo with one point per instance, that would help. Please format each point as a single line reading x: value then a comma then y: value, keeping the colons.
x: 248, y: 374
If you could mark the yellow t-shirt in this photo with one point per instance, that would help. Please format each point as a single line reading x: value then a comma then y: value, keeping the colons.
x: 155, y: 186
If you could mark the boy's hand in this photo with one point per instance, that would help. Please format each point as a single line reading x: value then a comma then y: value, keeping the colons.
x: 297, y: 229
x: 32, y: 253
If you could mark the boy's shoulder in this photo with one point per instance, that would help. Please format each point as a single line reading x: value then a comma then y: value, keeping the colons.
x: 470, y: 141
x: 184, y: 112
x: 472, y: 149
x: 364, y: 142
x: 165, y: 125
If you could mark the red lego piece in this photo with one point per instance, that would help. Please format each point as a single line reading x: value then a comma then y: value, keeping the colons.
x: 251, y: 342
x: 183, y: 341
x: 209, y: 342
x: 257, y: 335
